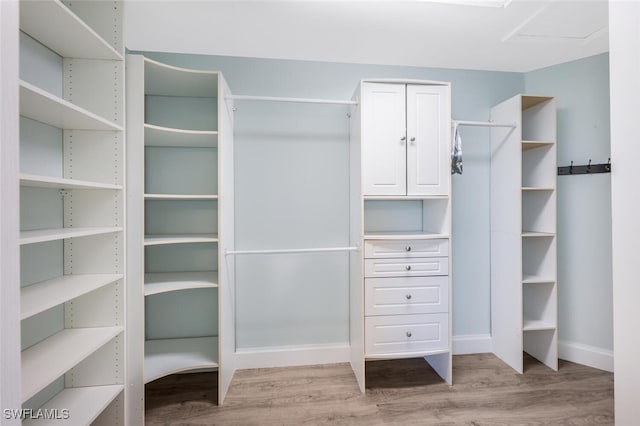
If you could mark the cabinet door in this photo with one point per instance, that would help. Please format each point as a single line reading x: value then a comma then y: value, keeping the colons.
x: 429, y: 134
x: 383, y: 139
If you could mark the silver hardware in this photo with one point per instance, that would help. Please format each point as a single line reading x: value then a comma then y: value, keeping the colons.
x: 63, y: 192
x: 404, y: 138
x: 412, y: 139
x: 408, y: 296
x: 408, y: 248
x: 408, y: 334
x: 408, y: 267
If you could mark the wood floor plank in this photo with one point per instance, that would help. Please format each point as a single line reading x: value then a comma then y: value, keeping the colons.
x: 400, y: 392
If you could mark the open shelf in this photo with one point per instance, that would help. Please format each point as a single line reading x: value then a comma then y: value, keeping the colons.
x: 169, y: 356
x: 57, y: 27
x: 151, y: 240
x: 39, y: 105
x: 194, y: 197
x: 36, y: 181
x: 84, y: 404
x: 44, y: 295
x: 401, y: 355
x: 535, y: 279
x: 391, y: 235
x: 538, y: 188
x: 184, y: 82
x: 43, y: 235
x: 531, y: 234
x: 527, y: 145
x: 182, y: 138
x: 537, y: 325
x: 405, y: 197
x: 161, y: 282
x: 67, y: 348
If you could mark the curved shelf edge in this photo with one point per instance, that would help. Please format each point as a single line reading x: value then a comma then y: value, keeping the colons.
x: 169, y: 356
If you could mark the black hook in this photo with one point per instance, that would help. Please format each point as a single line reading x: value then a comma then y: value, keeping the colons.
x: 607, y: 166
x: 571, y: 168
x: 589, y: 166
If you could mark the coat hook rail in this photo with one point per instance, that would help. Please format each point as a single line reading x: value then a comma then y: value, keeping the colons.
x: 585, y: 169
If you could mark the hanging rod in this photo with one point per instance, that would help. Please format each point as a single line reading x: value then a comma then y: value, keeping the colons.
x: 299, y: 100
x: 280, y: 251
x: 482, y: 123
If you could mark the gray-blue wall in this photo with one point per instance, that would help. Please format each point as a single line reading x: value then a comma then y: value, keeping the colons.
x: 585, y: 298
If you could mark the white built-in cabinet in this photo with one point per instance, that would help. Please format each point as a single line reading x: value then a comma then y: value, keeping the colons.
x: 180, y: 167
x: 407, y: 139
x: 400, y: 281
x: 523, y: 231
x: 72, y: 206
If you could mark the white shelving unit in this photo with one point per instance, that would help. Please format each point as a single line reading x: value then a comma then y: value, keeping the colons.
x: 180, y: 165
x: 72, y: 281
x: 400, y: 287
x: 523, y: 231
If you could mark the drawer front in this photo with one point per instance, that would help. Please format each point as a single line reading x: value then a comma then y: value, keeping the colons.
x: 413, y: 267
x: 397, y: 296
x: 374, y: 249
x: 406, y: 334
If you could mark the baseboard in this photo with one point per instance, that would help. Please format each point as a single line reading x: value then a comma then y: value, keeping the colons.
x: 586, y: 355
x: 472, y: 344
x: 290, y: 356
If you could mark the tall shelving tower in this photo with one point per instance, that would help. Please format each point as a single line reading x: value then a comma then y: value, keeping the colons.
x: 523, y: 231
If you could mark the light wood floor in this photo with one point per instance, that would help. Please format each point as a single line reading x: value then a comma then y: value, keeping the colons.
x: 402, y: 392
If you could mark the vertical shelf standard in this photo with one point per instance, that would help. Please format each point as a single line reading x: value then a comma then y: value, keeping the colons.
x: 523, y: 245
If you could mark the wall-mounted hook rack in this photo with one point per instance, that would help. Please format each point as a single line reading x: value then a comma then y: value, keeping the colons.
x: 585, y: 169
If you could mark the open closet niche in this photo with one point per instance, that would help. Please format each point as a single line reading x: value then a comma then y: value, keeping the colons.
x: 523, y: 231
x: 180, y: 170
x: 72, y: 254
x: 401, y: 218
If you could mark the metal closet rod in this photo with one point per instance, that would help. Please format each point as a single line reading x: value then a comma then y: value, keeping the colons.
x: 299, y: 100
x: 482, y: 123
x: 279, y: 251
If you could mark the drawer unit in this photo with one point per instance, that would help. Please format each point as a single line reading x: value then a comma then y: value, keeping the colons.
x: 406, y: 334
x: 410, y: 267
x: 399, y: 296
x: 406, y: 248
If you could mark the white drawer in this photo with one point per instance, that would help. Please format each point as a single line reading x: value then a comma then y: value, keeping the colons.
x: 406, y: 248
x: 416, y: 295
x: 400, y: 334
x: 412, y: 267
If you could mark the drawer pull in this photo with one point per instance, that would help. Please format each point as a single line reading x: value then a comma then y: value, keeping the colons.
x: 408, y: 248
x: 408, y: 296
x: 408, y: 334
x: 408, y: 267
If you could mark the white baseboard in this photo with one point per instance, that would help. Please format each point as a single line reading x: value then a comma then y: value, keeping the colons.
x: 586, y: 355
x: 290, y: 356
x: 472, y: 344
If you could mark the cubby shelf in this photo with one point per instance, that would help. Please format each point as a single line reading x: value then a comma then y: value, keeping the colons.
x: 36, y: 181
x: 538, y: 188
x: 68, y: 348
x: 184, y: 82
x: 44, y: 235
x: 404, y: 197
x: 43, y: 295
x: 183, y: 138
x: 42, y: 106
x: 527, y: 145
x: 535, y: 279
x: 152, y: 240
x: 529, y: 234
x: 84, y: 404
x: 168, y: 356
x: 57, y: 27
x: 537, y: 325
x: 392, y: 235
x: 194, y: 197
x: 162, y: 282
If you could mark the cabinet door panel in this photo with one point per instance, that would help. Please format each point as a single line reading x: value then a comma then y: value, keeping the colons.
x: 429, y: 135
x: 383, y: 139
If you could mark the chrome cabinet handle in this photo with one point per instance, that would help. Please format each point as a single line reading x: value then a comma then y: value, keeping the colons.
x: 408, y: 296
x: 408, y: 334
x: 408, y: 267
x: 412, y: 139
x: 404, y: 138
x: 407, y: 248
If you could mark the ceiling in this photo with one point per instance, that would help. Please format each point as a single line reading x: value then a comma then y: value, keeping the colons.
x: 498, y: 35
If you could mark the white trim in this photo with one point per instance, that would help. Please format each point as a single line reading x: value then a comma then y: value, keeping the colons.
x: 285, y: 251
x: 586, y: 355
x: 472, y: 344
x: 297, y: 100
x: 289, y: 356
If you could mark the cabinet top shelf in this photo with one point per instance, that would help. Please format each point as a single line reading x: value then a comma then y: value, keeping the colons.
x: 172, y: 137
x: 57, y: 27
x: 529, y: 101
x: 168, y: 80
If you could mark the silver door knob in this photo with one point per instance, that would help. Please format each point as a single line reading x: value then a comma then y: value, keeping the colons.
x: 408, y: 267
x: 404, y: 138
x: 412, y: 139
x: 407, y: 248
x: 408, y: 334
x: 408, y: 296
